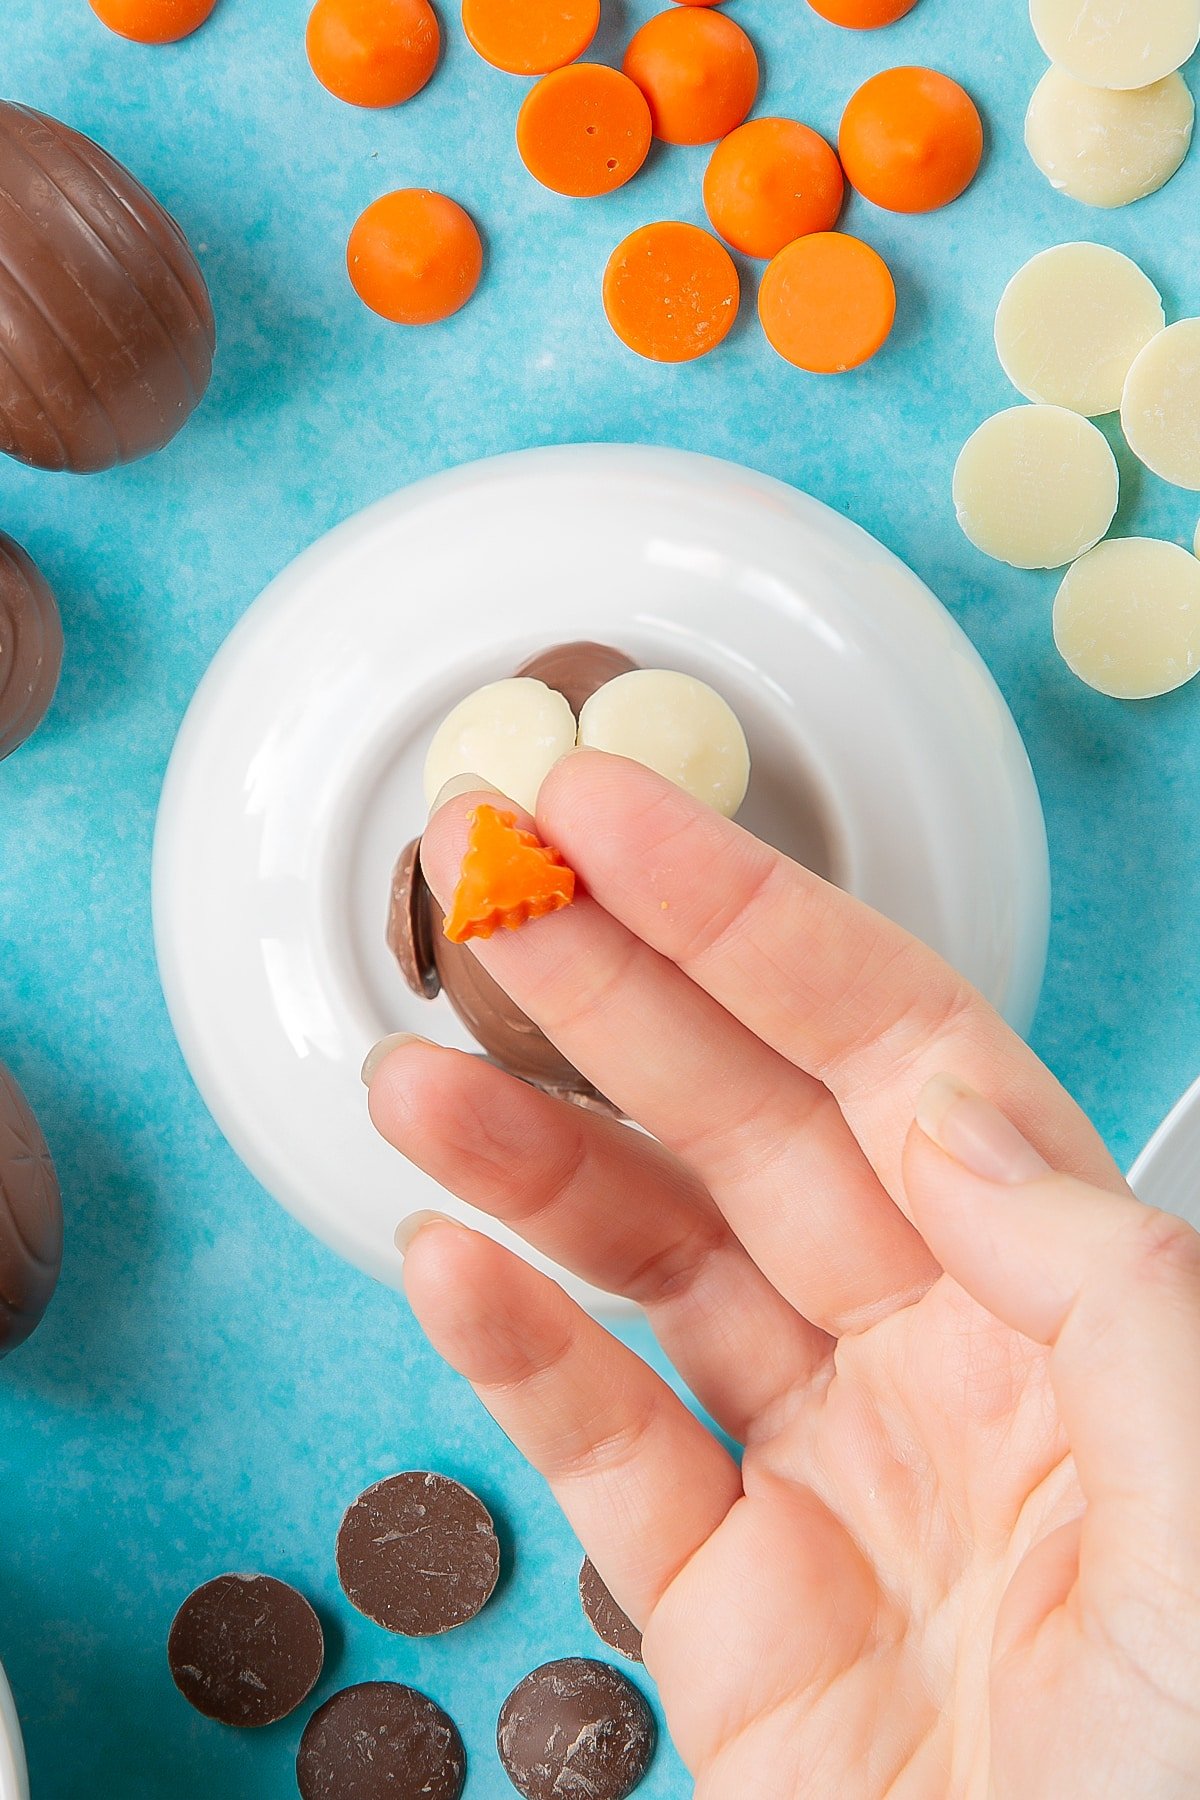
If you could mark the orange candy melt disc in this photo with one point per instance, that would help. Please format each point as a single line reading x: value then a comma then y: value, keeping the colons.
x: 862, y: 15
x: 699, y: 72
x: 827, y: 303
x: 373, y: 52
x: 671, y: 292
x: 911, y: 140
x: 770, y: 181
x: 152, y: 21
x: 584, y: 130
x: 415, y: 257
x: 508, y: 877
x: 530, y: 37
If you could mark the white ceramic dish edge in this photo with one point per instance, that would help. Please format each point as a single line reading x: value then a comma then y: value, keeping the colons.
x: 1001, y: 849
x: 14, y: 1776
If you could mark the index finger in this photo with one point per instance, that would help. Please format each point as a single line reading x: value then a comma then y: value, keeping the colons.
x: 842, y: 992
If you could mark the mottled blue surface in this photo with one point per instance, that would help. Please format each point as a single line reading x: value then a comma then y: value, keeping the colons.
x: 211, y: 1386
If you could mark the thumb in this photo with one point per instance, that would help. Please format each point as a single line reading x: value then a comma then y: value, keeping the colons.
x: 1112, y: 1287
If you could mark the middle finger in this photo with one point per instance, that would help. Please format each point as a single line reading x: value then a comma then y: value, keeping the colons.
x: 767, y: 1140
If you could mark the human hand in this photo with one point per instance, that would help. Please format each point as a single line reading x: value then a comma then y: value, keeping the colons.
x: 961, y: 1556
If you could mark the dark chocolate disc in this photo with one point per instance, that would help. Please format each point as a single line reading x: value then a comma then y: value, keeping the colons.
x: 30, y: 1218
x: 418, y: 1554
x: 31, y: 646
x: 607, y: 1620
x: 108, y: 335
x: 381, y: 1741
x: 575, y: 1727
x: 410, y: 924
x: 577, y: 671
x: 245, y: 1649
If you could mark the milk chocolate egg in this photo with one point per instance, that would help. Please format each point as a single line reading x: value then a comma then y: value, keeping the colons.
x: 108, y: 336
x: 30, y: 1218
x: 31, y: 646
x: 431, y: 964
x: 577, y: 670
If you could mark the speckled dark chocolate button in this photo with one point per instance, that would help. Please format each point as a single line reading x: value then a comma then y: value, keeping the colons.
x: 380, y: 1741
x: 246, y: 1649
x: 418, y: 1554
x: 575, y: 1730
x: 605, y: 1617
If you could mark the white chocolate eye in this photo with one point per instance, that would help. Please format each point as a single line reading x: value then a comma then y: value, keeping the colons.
x: 1035, y: 487
x: 1104, y: 147
x: 1117, y: 43
x: 675, y: 725
x: 511, y: 733
x: 1160, y: 410
x: 1070, y: 324
x: 1127, y: 618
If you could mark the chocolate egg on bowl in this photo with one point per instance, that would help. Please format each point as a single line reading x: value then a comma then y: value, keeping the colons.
x: 511, y: 733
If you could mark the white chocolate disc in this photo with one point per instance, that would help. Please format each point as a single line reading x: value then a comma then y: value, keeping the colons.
x: 1070, y: 324
x: 1127, y: 618
x: 1107, y: 147
x: 1117, y: 43
x: 675, y: 725
x: 511, y: 733
x: 1160, y: 409
x: 1036, y: 486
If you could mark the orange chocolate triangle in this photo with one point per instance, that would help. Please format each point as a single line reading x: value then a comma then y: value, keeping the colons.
x: 508, y: 877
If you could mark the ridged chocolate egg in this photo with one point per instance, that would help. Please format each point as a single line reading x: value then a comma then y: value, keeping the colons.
x: 106, y: 327
x: 31, y: 646
x: 30, y: 1218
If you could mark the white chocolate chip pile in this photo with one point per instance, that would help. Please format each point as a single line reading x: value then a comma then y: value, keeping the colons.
x: 1071, y: 323
x: 511, y: 734
x: 1111, y: 120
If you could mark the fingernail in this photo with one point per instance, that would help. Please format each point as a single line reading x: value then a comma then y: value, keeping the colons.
x: 383, y: 1049
x: 460, y: 784
x: 976, y: 1134
x: 408, y: 1228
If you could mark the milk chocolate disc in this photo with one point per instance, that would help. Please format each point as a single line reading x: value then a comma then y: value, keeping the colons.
x: 245, y: 1649
x: 410, y: 924
x: 418, y: 1554
x: 577, y: 670
x: 31, y: 646
x: 30, y: 1218
x: 108, y: 335
x: 381, y: 1741
x: 575, y: 1727
x: 607, y: 1620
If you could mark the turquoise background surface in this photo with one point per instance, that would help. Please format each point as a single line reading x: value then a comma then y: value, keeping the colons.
x: 212, y: 1387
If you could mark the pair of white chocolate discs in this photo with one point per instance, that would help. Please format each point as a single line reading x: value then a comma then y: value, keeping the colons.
x: 1112, y: 120
x: 1082, y: 326
x: 511, y: 734
x: 1037, y: 486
